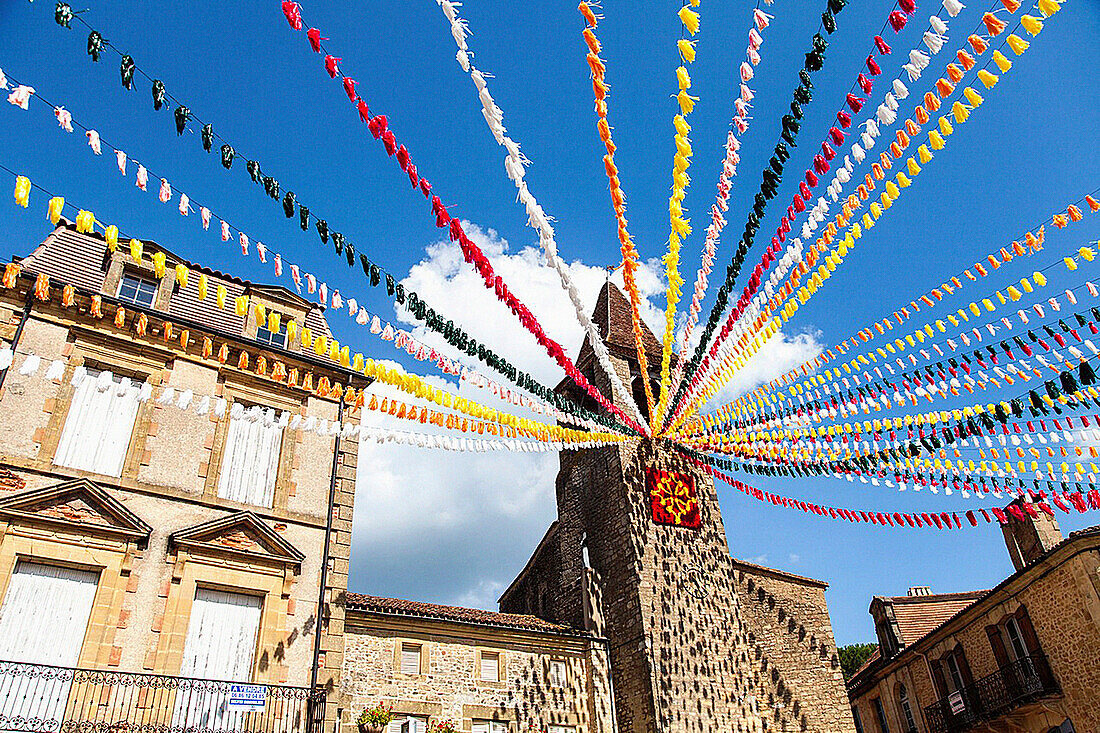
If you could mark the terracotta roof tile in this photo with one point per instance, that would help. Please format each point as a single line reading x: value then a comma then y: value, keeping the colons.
x: 918, y: 615
x: 476, y: 616
x: 82, y: 260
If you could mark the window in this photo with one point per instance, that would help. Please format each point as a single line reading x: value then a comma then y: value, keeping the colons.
x: 250, y: 460
x: 557, y: 674
x: 859, y: 721
x: 410, y: 659
x: 407, y: 724
x: 138, y: 290
x: 100, y: 423
x: 906, y: 710
x: 954, y: 674
x: 880, y: 715
x: 489, y: 726
x: 1016, y: 639
x: 221, y: 636
x: 275, y: 338
x: 42, y: 621
x: 490, y: 667
x: 561, y: 729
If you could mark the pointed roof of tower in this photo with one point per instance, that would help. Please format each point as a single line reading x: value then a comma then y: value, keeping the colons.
x: 612, y: 317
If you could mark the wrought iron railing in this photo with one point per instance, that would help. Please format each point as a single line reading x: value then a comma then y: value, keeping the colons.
x: 39, y: 698
x: 1016, y: 684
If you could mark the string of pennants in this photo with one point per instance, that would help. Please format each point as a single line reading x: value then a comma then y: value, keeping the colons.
x: 792, y: 425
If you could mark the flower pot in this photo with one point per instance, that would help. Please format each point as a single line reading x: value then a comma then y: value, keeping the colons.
x: 371, y: 728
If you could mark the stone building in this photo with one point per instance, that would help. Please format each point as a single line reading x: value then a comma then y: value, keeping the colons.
x: 487, y: 672
x: 175, y: 503
x: 698, y: 641
x: 1024, y: 656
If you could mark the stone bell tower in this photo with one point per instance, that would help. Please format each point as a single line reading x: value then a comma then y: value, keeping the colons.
x: 639, y: 555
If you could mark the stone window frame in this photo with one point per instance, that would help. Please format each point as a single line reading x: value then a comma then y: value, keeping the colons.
x: 193, y: 569
x: 288, y: 310
x: 108, y: 552
x: 91, y: 349
x: 549, y: 663
x: 244, y: 388
x: 501, y: 681
x: 121, y: 262
x: 425, y: 660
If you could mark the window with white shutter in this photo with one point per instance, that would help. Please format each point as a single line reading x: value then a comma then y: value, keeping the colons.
x: 42, y: 621
x: 407, y: 724
x: 556, y: 675
x: 220, y: 645
x: 489, y: 726
x: 490, y: 666
x: 100, y: 423
x: 561, y: 729
x: 250, y: 459
x: 410, y: 658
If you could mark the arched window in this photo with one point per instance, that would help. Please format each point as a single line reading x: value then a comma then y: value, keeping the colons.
x: 906, y: 707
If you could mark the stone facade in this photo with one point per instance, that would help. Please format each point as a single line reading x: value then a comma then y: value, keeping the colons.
x: 527, y: 696
x: 1027, y: 652
x: 159, y: 530
x: 687, y: 652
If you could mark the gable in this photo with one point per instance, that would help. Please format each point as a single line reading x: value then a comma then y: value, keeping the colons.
x: 243, y: 534
x: 79, y: 506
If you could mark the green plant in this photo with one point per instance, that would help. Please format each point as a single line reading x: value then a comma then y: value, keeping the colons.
x: 378, y: 716
x: 853, y: 656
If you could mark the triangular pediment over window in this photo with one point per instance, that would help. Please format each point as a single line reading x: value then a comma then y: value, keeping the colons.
x: 78, y: 506
x: 242, y: 534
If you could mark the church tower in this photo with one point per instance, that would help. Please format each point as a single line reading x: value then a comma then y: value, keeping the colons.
x: 639, y: 556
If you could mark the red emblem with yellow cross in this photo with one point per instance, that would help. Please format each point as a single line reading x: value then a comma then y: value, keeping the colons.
x: 672, y: 498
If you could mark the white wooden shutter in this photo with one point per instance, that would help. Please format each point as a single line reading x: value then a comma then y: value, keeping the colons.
x: 221, y: 645
x: 43, y: 620
x: 498, y: 727
x: 557, y: 673
x: 407, y: 724
x: 410, y: 658
x: 250, y: 461
x: 99, y: 424
x: 221, y: 636
x: 490, y: 667
x: 480, y: 726
x: 45, y: 614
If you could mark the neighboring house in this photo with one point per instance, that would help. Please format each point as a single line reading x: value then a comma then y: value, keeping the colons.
x: 1020, y: 657
x: 488, y: 672
x: 155, y: 552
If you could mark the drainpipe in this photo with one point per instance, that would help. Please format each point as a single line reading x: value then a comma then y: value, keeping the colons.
x: 18, y: 332
x: 328, y: 542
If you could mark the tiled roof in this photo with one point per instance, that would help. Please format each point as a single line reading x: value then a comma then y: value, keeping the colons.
x: 875, y: 656
x: 917, y: 615
x: 400, y: 607
x: 82, y: 260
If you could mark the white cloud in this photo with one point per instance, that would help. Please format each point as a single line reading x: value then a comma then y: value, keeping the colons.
x: 782, y: 353
x: 445, y: 280
x: 794, y: 558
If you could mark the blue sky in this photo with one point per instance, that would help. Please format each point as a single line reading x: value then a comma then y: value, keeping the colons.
x: 1026, y: 153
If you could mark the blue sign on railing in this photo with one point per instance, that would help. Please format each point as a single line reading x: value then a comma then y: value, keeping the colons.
x: 247, y: 697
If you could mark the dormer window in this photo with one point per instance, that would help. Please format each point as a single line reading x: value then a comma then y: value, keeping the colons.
x: 137, y: 290
x: 265, y: 335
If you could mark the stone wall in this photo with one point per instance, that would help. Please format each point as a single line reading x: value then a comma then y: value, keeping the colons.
x: 450, y: 684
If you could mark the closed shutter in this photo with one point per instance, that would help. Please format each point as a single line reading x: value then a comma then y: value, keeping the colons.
x: 480, y: 726
x: 557, y: 674
x: 99, y: 425
x: 490, y: 667
x: 221, y: 636
x: 43, y: 620
x: 250, y: 461
x: 410, y: 658
x: 489, y: 726
x: 221, y: 645
x: 996, y: 641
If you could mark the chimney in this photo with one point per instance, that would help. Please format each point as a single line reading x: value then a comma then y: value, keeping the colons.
x: 1029, y: 538
x: 919, y: 590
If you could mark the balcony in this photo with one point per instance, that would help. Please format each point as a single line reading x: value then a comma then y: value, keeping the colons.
x: 1024, y: 681
x: 43, y: 699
